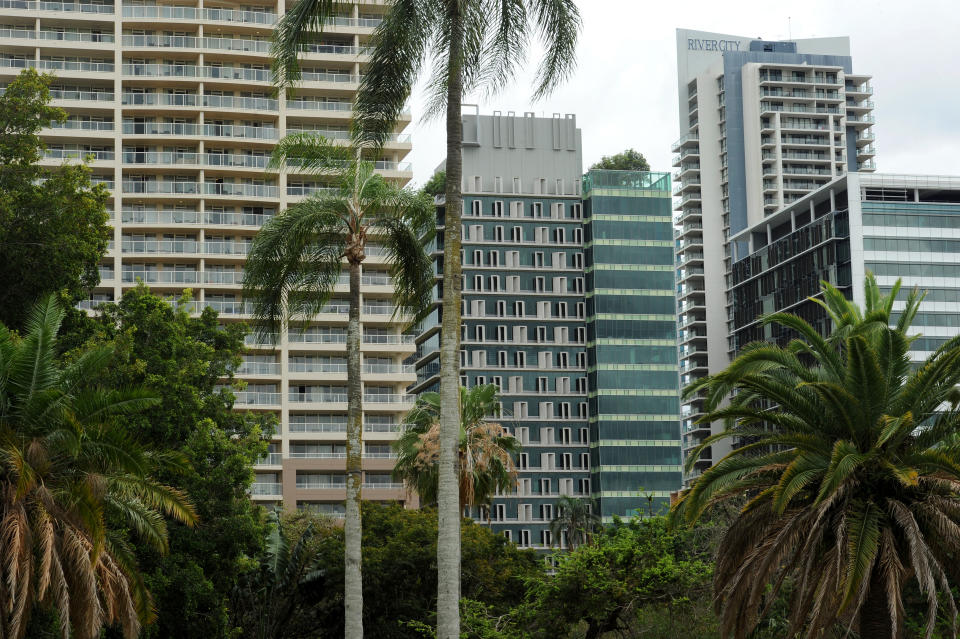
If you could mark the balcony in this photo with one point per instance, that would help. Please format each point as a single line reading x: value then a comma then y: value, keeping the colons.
x: 225, y: 247
x: 244, y: 190
x: 86, y: 96
x: 159, y: 217
x: 684, y: 141
x: 255, y: 398
x: 240, y: 131
x: 296, y: 337
x: 335, y: 49
x: 69, y: 7
x: 317, y: 397
x: 319, y: 105
x: 186, y: 247
x: 178, y: 129
x: 233, y: 307
x: 266, y: 489
x: 76, y: 154
x: 161, y: 188
x: 161, y: 277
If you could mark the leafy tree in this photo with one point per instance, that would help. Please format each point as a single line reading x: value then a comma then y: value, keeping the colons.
x: 267, y: 601
x: 601, y: 586
x: 577, y: 519
x: 484, y: 450
x: 854, y: 475
x: 400, y: 578
x: 296, y: 260
x: 437, y: 184
x: 628, y: 160
x: 185, y: 360
x: 73, y: 482
x: 53, y: 223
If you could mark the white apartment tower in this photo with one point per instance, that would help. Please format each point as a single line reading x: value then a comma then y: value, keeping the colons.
x: 173, y: 101
x: 763, y: 123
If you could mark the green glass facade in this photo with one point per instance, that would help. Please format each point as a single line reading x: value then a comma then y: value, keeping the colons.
x: 633, y: 377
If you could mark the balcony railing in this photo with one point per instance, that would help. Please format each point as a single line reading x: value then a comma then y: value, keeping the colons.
x: 75, y: 7
x: 161, y: 128
x: 319, y: 105
x: 157, y: 216
x: 317, y: 397
x: 255, y: 398
x: 157, y: 187
x: 316, y: 338
x: 266, y: 489
x: 160, y: 246
x: 76, y: 154
x: 83, y: 125
x: 74, y: 36
x: 95, y: 96
x: 388, y: 398
x: 245, y: 190
x: 218, y: 247
x: 388, y: 339
x: 309, y: 367
x: 335, y: 49
x: 162, y: 277
x: 240, y: 131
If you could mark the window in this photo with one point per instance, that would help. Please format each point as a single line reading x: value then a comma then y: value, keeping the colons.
x: 498, y: 208
x: 478, y: 282
x: 578, y: 260
x: 524, y: 538
x: 518, y: 310
x: 538, y: 209
x: 567, y: 461
x: 565, y: 433
x: 544, y: 489
x: 501, y: 334
x: 508, y: 534
x: 539, y: 284
x: 498, y: 234
x: 546, y: 510
x: 520, y: 359
x: 541, y: 334
x: 538, y: 259
x: 501, y: 308
x: 584, y: 460
x: 495, y: 283
x: 476, y: 210
x: 543, y: 385
x: 500, y: 513
x: 575, y: 211
x: 581, y: 310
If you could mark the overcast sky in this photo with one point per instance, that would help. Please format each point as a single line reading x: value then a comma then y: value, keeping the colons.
x: 624, y: 91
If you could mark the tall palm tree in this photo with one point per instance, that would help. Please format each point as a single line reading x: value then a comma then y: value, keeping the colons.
x: 484, y: 450
x: 69, y: 474
x: 852, y: 471
x: 577, y: 518
x: 296, y: 260
x: 468, y: 45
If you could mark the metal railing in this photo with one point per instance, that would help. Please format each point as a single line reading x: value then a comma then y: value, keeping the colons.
x: 246, y: 190
x: 75, y: 7
x: 76, y: 154
x: 158, y: 187
x: 96, y: 96
x: 74, y: 36
x: 160, y: 246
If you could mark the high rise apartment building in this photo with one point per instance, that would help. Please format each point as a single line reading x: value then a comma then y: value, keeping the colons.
x: 903, y: 227
x: 764, y: 123
x: 174, y: 104
x: 523, y: 308
x: 536, y: 286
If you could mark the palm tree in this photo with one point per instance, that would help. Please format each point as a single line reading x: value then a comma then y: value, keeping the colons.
x: 851, y: 469
x: 577, y: 518
x: 72, y: 482
x: 469, y: 45
x: 296, y: 260
x: 484, y: 451
x: 265, y: 603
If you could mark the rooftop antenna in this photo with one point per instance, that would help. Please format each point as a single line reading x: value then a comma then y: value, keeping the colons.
x: 789, y: 29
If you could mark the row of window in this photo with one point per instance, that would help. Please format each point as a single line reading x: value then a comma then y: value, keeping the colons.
x: 519, y: 359
x: 518, y: 208
x: 530, y: 284
x: 520, y: 334
x: 498, y: 308
x: 521, y: 259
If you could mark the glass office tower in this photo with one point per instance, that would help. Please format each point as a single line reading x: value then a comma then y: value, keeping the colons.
x: 633, y: 378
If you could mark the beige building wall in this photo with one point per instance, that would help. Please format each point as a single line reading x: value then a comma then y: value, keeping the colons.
x: 174, y: 103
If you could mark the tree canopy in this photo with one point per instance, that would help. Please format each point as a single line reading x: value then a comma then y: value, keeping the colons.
x: 185, y: 360
x: 628, y: 160
x: 53, y: 222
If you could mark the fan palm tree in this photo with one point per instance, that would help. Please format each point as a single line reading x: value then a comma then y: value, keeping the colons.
x: 469, y: 45
x: 852, y: 471
x: 484, y: 450
x: 296, y: 260
x: 69, y: 472
x: 577, y: 518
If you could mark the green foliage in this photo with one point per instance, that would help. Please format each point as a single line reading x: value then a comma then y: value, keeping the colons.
x: 437, y: 184
x: 77, y: 487
x: 184, y: 360
x: 53, y: 223
x: 267, y: 601
x: 628, y: 160
x: 602, y: 586
x: 851, y: 498
x: 400, y: 572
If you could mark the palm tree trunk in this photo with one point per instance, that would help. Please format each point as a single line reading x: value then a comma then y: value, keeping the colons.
x: 353, y: 584
x: 875, y: 614
x: 448, y: 489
